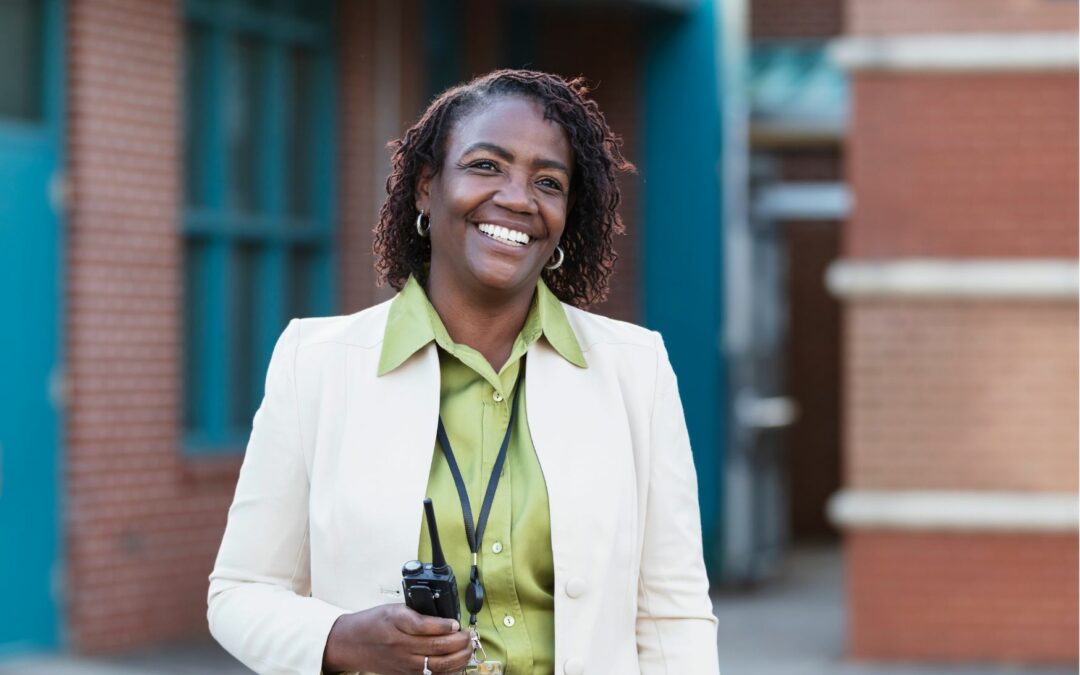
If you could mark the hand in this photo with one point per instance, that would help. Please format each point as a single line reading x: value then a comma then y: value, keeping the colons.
x: 393, y: 640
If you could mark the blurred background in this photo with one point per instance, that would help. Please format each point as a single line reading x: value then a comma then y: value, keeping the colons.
x: 854, y: 221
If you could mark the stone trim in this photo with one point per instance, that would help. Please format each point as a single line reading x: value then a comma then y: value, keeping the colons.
x: 933, y: 279
x: 955, y: 511
x: 958, y: 52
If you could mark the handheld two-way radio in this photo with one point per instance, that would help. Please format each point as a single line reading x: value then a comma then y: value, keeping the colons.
x: 430, y: 588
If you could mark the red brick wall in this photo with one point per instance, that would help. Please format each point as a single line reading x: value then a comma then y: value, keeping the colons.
x: 142, y: 523
x: 363, y: 155
x: 963, y: 165
x: 954, y: 395
x: 986, y: 597
x: 485, y: 43
x: 569, y: 46
x: 357, y: 154
x: 786, y: 19
x: 875, y: 17
x: 824, y: 164
x: 813, y: 376
x: 813, y: 349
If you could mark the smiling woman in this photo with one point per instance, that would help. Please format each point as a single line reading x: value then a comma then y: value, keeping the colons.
x: 585, y: 553
x: 497, y: 208
x: 573, y: 154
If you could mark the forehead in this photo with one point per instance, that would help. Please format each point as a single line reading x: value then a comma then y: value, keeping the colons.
x: 514, y: 123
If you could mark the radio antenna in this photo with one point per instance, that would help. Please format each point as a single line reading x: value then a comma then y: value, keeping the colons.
x: 437, y: 560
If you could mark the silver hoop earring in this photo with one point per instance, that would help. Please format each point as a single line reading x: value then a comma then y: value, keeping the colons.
x: 420, y: 229
x: 560, y: 255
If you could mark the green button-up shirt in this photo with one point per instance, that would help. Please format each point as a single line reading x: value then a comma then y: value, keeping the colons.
x: 517, y: 623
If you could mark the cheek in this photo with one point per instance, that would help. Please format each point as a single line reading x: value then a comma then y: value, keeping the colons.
x: 463, y: 195
x: 555, y: 213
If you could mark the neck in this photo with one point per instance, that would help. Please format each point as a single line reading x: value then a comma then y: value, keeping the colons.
x: 488, y: 324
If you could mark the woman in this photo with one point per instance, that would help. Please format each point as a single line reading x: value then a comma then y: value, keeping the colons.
x: 586, y: 539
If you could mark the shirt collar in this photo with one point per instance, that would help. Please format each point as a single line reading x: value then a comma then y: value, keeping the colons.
x: 413, y: 323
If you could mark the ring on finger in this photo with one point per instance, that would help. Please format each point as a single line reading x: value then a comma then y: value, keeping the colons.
x: 427, y: 671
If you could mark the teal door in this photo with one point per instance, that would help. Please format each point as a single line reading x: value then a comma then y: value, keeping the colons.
x: 30, y: 307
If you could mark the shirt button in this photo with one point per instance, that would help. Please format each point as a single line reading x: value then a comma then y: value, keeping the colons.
x: 496, y: 547
x: 498, y: 397
x: 508, y: 621
x: 573, y: 667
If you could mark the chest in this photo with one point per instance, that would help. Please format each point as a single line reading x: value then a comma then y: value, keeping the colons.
x: 372, y: 462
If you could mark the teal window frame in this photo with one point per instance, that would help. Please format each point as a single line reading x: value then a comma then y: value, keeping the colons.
x: 249, y: 268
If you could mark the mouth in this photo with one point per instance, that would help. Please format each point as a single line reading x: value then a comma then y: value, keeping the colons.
x: 504, y: 235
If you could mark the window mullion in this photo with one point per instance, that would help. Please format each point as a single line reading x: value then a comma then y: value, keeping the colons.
x: 272, y: 271
x: 216, y: 168
x: 215, y: 331
x: 215, y: 336
x: 326, y: 198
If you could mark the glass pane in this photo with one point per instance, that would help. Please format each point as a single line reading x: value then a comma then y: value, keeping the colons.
x: 21, y: 69
x: 300, y: 132
x: 303, y: 282
x: 243, y: 350
x: 312, y: 10
x: 196, y: 113
x: 195, y: 296
x: 246, y: 68
x: 261, y: 5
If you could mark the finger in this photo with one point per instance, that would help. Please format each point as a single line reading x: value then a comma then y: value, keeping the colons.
x: 443, y: 644
x: 450, y: 664
x: 414, y: 623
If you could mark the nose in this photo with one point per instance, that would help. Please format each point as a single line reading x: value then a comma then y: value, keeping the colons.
x: 514, y: 194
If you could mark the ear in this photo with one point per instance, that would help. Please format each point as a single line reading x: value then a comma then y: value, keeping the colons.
x: 423, y: 189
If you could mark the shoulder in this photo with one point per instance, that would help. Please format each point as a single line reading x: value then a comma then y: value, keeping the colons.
x: 363, y: 329
x: 637, y: 354
x: 595, y: 332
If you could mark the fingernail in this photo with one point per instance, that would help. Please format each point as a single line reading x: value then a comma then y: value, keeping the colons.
x: 457, y: 626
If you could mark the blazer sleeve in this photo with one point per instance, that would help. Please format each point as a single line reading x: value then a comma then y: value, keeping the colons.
x: 676, y: 629
x: 259, y: 604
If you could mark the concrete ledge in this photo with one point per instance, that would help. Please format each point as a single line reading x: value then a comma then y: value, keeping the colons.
x: 924, y: 278
x: 955, y: 511
x: 959, y: 52
x: 802, y: 201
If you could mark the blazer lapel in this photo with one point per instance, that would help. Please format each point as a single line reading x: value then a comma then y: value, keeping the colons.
x: 581, y: 434
x: 390, y: 441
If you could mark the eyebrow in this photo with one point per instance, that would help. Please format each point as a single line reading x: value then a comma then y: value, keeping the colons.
x: 505, y: 154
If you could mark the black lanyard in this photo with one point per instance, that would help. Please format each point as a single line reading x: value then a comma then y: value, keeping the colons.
x: 474, y: 594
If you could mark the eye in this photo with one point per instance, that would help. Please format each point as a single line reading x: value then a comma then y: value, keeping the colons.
x: 551, y: 184
x: 484, y: 165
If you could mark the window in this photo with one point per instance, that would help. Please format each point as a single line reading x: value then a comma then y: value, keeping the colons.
x: 258, y: 199
x: 21, y: 54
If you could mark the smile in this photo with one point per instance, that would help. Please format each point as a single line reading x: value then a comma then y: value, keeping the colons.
x: 504, y: 235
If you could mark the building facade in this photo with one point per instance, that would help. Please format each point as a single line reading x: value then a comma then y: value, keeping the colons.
x: 181, y: 177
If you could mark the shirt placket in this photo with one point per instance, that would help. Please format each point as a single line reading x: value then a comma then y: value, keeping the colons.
x: 497, y: 550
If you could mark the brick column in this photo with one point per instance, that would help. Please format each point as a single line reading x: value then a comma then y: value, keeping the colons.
x: 959, y: 283
x: 143, y: 522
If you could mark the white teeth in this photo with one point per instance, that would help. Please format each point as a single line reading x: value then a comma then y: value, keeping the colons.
x: 504, y: 234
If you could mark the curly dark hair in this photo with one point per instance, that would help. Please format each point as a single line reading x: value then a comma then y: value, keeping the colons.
x: 592, y: 219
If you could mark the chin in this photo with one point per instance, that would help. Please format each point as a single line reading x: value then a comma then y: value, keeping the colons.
x: 502, y: 277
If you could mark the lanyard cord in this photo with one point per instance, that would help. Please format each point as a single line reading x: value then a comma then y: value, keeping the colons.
x: 474, y: 596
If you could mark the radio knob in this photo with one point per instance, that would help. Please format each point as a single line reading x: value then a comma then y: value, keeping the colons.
x: 412, y: 568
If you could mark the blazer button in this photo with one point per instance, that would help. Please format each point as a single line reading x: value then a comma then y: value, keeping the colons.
x: 576, y: 587
x: 573, y: 667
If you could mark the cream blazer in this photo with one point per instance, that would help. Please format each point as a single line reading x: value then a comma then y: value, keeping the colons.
x: 329, y: 501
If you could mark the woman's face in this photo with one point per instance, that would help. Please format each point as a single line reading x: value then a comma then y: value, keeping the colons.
x: 498, y: 204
